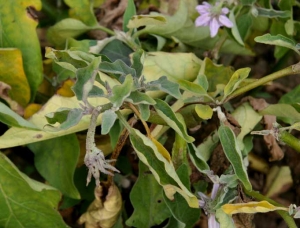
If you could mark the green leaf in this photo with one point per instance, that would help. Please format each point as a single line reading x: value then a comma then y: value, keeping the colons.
x: 66, y: 117
x: 163, y: 171
x: 67, y: 28
x: 204, y: 111
x: 117, y: 50
x: 271, y: 13
x: 128, y: 14
x: 234, y: 29
x: 206, y: 148
x: 282, y: 111
x: 118, y: 69
x: 248, y: 2
x: 244, y: 24
x: 278, y: 40
x: 25, y: 202
x: 234, y: 155
x: 18, y: 30
x: 213, y: 72
x: 197, y: 159
x: 56, y: 161
x: 137, y: 97
x: 63, y: 71
x: 165, y: 85
x: 224, y: 219
x: 9, y: 117
x: 191, y: 86
x: 237, y: 77
x: 138, y: 58
x: 145, y: 111
x: 247, y: 119
x: 164, y: 110
x: 292, y: 97
x: 85, y: 79
x: 146, y: 197
x: 121, y: 92
x: 82, y: 10
x: 179, y: 208
x: 108, y: 119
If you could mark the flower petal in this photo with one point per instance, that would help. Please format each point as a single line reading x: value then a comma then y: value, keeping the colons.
x: 225, y: 10
x: 212, y: 222
x: 203, y: 20
x: 203, y: 9
x: 214, y: 27
x: 225, y: 21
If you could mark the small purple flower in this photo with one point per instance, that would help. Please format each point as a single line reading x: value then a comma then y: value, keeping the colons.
x: 213, y: 16
x: 204, y: 204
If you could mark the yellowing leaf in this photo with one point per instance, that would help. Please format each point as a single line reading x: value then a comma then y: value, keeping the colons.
x: 12, y: 73
x: 65, y: 90
x: 104, y: 210
x: 161, y: 149
x: 143, y: 20
x: 18, y: 29
x: 31, y: 109
x: 204, y: 111
x: 251, y: 207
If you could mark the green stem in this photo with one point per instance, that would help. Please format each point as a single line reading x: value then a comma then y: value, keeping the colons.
x: 285, y: 215
x: 107, y: 30
x: 290, y: 140
x: 294, y: 69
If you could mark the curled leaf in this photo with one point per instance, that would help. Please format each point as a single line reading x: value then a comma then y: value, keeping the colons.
x: 104, y: 210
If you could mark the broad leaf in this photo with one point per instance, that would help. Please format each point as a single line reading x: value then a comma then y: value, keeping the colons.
x: 282, y: 111
x: 164, y: 110
x: 278, y: 40
x: 12, y: 119
x: 56, y: 160
x: 18, y: 30
x: 163, y: 171
x: 146, y: 197
x: 225, y: 220
x: 292, y: 97
x: 191, y: 86
x: 137, y: 97
x: 271, y: 13
x: 234, y: 154
x: 20, y: 195
x: 179, y: 208
x: 204, y: 111
x: 138, y: 59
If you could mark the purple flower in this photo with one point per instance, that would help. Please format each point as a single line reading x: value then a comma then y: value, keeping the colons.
x: 213, y: 16
x: 204, y: 204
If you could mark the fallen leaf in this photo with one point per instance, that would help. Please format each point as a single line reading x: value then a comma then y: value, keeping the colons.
x: 104, y: 210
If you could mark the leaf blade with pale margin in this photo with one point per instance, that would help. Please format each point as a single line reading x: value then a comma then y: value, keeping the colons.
x: 234, y: 155
x: 162, y: 170
x: 9, y: 117
x: 164, y: 110
x: 121, y: 92
x: 197, y: 159
x: 165, y: 85
x: 128, y: 14
x: 108, y: 119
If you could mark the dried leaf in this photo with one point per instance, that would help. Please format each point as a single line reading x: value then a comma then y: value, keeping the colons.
x: 104, y: 210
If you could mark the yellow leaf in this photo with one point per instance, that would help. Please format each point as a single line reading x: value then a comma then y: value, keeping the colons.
x: 161, y: 149
x: 104, y: 210
x: 31, y: 109
x: 12, y: 73
x: 65, y: 90
x: 251, y: 207
x: 204, y: 111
